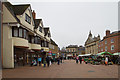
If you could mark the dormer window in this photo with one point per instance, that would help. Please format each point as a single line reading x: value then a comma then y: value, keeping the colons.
x: 48, y: 34
x: 40, y: 29
x: 27, y: 18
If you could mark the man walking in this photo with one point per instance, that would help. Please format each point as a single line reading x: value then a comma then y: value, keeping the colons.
x: 39, y: 61
x: 80, y: 59
x: 48, y: 61
x: 58, y: 60
x: 61, y: 59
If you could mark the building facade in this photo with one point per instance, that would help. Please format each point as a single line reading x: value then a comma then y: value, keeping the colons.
x: 24, y: 37
x: 71, y: 51
x: 110, y: 42
x: 91, y: 44
x: 81, y: 50
x: 54, y: 49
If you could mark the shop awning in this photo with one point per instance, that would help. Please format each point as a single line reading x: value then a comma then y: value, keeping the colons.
x: 116, y: 54
x: 69, y: 55
x: 104, y: 53
x: 87, y: 54
x: 81, y: 55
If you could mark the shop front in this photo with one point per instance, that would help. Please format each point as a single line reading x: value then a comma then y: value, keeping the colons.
x: 20, y: 56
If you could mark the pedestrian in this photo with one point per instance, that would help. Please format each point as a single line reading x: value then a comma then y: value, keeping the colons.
x: 34, y: 63
x: 58, y: 60
x: 118, y: 60
x: 77, y: 59
x: 39, y: 61
x: 61, y: 59
x: 48, y: 60
x: 80, y: 59
x: 106, y: 60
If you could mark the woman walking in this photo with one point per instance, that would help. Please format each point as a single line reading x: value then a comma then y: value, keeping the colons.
x: 58, y: 60
x: 77, y: 59
x: 106, y: 61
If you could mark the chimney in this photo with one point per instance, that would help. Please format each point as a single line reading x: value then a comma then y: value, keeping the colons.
x: 107, y: 32
x: 34, y: 14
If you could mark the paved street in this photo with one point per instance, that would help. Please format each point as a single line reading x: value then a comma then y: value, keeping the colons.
x: 68, y: 69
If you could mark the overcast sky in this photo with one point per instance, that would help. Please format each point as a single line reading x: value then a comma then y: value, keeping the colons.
x: 70, y: 22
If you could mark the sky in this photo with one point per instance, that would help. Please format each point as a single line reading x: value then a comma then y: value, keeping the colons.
x: 70, y: 21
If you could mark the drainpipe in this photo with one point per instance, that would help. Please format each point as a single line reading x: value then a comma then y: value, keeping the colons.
x: 1, y: 31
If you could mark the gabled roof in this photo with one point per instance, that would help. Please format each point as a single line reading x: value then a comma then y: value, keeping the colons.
x: 46, y: 29
x: 53, y: 42
x: 20, y: 9
x: 91, y: 39
x: 37, y: 22
x: 9, y: 6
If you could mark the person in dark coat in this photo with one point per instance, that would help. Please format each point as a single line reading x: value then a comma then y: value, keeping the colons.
x: 80, y: 59
x: 48, y: 60
x: 61, y: 59
x: 58, y: 60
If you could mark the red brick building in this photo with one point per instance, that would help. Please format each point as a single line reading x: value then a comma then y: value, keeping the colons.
x: 110, y: 42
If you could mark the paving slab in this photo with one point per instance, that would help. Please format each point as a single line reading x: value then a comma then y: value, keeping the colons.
x: 68, y: 69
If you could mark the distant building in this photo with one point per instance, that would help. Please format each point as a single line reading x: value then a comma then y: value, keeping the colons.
x: 81, y: 50
x: 91, y: 44
x: 110, y: 42
x: 63, y: 52
x: 72, y: 51
x: 54, y: 49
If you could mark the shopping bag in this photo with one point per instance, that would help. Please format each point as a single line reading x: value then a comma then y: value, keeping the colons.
x: 50, y: 62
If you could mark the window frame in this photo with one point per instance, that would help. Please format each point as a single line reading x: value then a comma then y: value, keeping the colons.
x: 105, y: 41
x: 112, y: 40
x: 27, y: 18
x: 112, y: 47
x: 20, y: 35
x: 40, y: 29
x: 105, y: 48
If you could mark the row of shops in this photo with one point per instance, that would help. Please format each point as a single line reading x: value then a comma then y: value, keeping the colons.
x: 24, y: 37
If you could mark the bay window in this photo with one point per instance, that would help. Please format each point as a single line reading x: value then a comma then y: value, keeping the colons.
x: 15, y: 32
x: 20, y: 32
